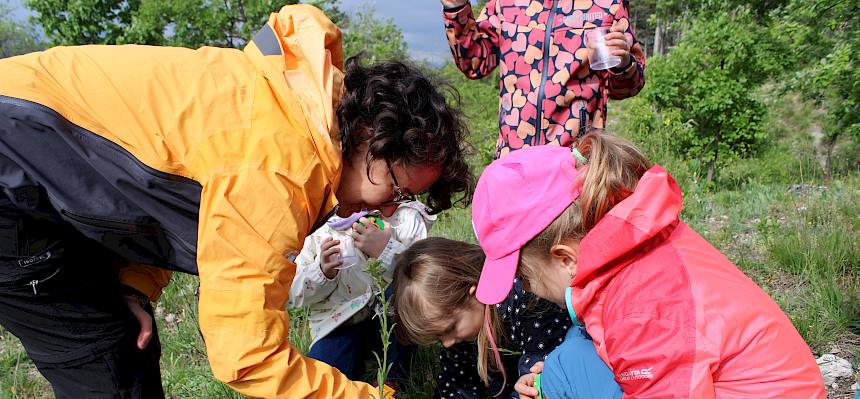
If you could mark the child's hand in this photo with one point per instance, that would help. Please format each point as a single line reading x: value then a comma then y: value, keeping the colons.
x: 618, y: 44
x: 369, y: 238
x: 330, y: 257
x: 525, y: 385
x: 453, y: 3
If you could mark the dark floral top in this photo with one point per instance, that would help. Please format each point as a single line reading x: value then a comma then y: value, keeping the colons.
x: 533, y: 328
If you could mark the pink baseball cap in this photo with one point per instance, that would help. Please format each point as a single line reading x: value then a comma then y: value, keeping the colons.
x: 516, y: 198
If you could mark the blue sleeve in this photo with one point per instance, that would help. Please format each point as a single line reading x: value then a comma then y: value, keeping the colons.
x: 575, y: 371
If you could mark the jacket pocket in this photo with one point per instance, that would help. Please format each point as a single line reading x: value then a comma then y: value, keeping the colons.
x: 143, y: 240
x: 28, y: 251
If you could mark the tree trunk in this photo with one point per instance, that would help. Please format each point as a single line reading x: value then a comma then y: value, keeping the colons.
x: 658, y: 38
x: 823, y: 143
x: 829, y: 144
x: 712, y: 164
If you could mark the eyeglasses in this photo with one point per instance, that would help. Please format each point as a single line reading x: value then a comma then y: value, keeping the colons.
x: 400, y: 197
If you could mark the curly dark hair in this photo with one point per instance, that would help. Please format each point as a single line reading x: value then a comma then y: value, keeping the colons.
x: 404, y: 117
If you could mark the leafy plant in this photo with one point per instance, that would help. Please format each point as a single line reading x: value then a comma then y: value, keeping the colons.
x: 710, y: 79
x: 827, y: 37
x: 376, y: 269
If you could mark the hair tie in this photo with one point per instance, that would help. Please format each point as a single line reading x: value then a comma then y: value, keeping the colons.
x: 580, y: 159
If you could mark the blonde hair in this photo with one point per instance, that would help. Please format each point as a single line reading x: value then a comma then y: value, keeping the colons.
x: 431, y: 284
x: 614, y: 168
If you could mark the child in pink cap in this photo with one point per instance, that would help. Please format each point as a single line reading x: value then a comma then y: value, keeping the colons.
x: 669, y: 314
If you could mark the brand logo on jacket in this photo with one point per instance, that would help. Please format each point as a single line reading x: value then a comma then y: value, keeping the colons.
x: 577, y: 20
x: 594, y: 16
x: 641, y: 374
x: 34, y: 260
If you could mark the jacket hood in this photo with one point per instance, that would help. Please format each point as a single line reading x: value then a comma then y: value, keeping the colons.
x: 299, y: 53
x: 631, y: 228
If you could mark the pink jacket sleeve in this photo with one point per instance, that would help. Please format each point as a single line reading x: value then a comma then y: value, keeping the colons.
x: 474, y: 43
x: 656, y: 358
x: 627, y: 83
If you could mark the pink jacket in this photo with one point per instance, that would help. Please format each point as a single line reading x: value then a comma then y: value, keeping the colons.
x: 674, y: 318
x: 553, y: 83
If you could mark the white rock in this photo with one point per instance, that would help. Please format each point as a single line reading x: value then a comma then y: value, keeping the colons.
x: 833, y: 367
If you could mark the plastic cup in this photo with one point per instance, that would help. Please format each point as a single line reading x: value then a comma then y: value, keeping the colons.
x: 600, y: 57
x: 347, y: 253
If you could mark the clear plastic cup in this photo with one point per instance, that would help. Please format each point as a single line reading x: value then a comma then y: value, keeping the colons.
x: 600, y: 57
x: 347, y: 253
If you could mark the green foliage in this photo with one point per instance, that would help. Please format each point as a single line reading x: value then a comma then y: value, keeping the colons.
x: 188, y: 23
x: 83, y: 21
x: 710, y: 79
x: 196, y: 23
x: 16, y: 37
x: 825, y: 39
x: 479, y: 101
x: 376, y: 40
x: 833, y: 79
x: 660, y: 135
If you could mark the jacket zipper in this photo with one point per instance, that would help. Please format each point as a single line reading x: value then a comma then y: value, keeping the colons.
x: 583, y: 122
x: 106, y: 223
x: 34, y: 283
x: 546, y: 45
x: 125, y: 226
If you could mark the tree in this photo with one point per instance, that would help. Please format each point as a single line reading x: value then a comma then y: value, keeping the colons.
x: 187, y: 23
x: 195, y: 23
x: 825, y: 39
x: 376, y: 40
x: 711, y: 77
x: 16, y: 37
x: 659, y: 24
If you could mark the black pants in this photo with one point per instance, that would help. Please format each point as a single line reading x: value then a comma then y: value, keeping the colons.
x: 59, y: 295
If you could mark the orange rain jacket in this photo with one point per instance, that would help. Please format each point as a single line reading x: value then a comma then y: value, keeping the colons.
x: 212, y: 161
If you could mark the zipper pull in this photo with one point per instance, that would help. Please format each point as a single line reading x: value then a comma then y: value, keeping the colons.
x: 33, y: 284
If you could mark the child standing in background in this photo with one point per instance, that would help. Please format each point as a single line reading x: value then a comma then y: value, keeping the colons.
x: 549, y: 93
x: 331, y: 281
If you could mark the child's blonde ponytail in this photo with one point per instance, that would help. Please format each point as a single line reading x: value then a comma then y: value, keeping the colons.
x: 613, y: 169
x: 615, y: 166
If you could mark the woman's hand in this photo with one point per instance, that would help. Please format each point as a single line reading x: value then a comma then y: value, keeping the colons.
x: 330, y: 257
x: 525, y: 385
x: 453, y: 3
x: 618, y: 44
x: 369, y: 238
x: 143, y: 318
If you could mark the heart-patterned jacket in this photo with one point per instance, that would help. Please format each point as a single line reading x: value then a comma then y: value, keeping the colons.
x: 549, y: 83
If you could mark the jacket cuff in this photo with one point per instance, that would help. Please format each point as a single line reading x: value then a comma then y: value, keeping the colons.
x: 454, y: 13
x: 144, y: 280
x: 627, y: 72
x: 319, y: 278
